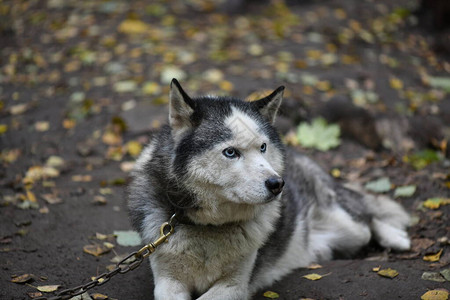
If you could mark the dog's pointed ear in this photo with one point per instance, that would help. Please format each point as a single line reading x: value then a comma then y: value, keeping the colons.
x: 268, y: 106
x: 181, y: 106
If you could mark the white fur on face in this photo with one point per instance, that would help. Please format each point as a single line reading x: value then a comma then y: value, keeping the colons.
x: 223, y: 183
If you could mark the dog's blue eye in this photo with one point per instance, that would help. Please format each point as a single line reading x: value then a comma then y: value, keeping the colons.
x: 263, y: 147
x: 230, y: 152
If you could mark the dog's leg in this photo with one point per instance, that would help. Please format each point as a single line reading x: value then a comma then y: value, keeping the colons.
x: 170, y: 289
x: 227, y: 290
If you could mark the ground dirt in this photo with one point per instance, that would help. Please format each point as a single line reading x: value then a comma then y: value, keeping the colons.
x: 85, y: 83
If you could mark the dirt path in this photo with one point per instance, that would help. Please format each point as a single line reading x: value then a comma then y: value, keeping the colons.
x: 84, y: 83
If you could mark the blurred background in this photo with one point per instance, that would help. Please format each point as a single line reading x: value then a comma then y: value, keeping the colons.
x: 84, y: 84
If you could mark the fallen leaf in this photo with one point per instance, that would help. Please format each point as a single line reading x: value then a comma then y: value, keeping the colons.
x: 271, y: 295
x: 133, y: 27
x: 314, y: 276
x: 18, y: 109
x: 170, y: 72
x: 446, y: 274
x: 134, y: 148
x: 48, y: 288
x: 396, y: 83
x: 33, y: 295
x: 256, y: 95
x: 421, y: 159
x: 151, y: 88
x: 421, y: 244
x: 439, y: 294
x: 376, y: 269
x: 82, y: 178
x: 100, y: 200
x: 125, y: 86
x: 389, y: 273
x: 128, y: 238
x: 51, y: 198
x: 23, y: 278
x: 319, y: 135
x: 405, y: 191
x: 111, y: 138
x: 435, y: 203
x: 42, y: 126
x: 433, y: 257
x: 433, y: 276
x: 380, y: 185
x: 98, y: 296
x: 55, y: 161
x: 96, y: 250
x: 440, y: 82
x: 314, y: 266
x: 3, y: 128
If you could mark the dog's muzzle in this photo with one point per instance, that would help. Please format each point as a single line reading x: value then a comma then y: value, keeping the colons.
x: 275, y: 185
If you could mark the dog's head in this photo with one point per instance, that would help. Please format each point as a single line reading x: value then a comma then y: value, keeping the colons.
x: 226, y: 150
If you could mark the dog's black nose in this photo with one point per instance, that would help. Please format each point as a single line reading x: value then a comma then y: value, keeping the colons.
x: 275, y: 184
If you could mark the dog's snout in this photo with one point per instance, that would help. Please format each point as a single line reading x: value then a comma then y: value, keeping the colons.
x: 275, y: 184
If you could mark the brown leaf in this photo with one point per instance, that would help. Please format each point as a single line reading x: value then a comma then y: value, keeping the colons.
x: 96, y: 250
x: 23, y: 278
x: 421, y: 244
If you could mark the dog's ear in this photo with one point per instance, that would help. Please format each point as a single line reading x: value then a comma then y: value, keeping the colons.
x: 181, y: 106
x: 268, y: 106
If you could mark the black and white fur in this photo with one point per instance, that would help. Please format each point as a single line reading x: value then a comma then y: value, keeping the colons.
x: 220, y: 165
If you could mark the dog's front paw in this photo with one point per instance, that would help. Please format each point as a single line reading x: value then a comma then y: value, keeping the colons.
x: 168, y: 289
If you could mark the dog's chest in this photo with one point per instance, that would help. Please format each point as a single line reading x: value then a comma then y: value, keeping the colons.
x: 200, y: 256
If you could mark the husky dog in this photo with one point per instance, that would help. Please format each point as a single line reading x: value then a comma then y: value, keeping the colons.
x: 248, y: 210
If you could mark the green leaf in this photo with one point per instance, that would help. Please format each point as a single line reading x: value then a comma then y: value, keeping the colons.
x: 125, y: 86
x: 128, y: 238
x: 271, y: 295
x: 319, y: 135
x: 421, y: 159
x: 440, y: 82
x: 433, y: 276
x: 405, y: 191
x: 380, y: 185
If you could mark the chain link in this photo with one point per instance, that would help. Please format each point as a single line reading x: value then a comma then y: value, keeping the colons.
x: 122, y: 267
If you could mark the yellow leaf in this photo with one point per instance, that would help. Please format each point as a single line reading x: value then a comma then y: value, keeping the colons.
x: 435, y: 203
x: 314, y: 266
x: 97, y: 296
x: 151, y: 88
x: 41, y: 126
x: 396, y: 83
x: 111, y: 138
x: 226, y: 85
x: 433, y: 257
x: 389, y: 273
x: 376, y: 269
x: 314, y: 276
x: 440, y: 294
x: 134, y: 148
x: 48, y: 288
x: 31, y: 196
x: 133, y: 27
x: 271, y: 295
x: 69, y: 123
x: 3, y: 128
x: 256, y: 95
x: 81, y: 178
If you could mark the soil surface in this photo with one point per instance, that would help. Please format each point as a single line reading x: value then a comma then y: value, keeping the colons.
x: 84, y: 84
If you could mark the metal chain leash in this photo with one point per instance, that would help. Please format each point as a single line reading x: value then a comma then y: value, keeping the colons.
x: 122, y: 267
